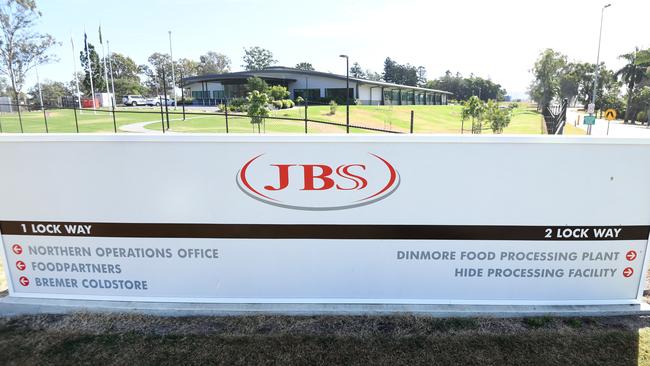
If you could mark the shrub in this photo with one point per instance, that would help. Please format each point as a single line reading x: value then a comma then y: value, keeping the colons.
x: 300, y: 100
x: 238, y: 105
x: 277, y: 104
x: 278, y: 92
x: 221, y: 107
x: 642, y: 116
x: 186, y: 101
x: 333, y: 106
x: 284, y: 103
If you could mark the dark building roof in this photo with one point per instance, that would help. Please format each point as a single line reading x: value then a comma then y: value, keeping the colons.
x: 242, y: 75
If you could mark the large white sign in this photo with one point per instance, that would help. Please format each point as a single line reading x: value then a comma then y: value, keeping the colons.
x: 339, y: 219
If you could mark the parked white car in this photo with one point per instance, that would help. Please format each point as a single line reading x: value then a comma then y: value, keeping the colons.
x: 134, y: 100
x: 157, y: 101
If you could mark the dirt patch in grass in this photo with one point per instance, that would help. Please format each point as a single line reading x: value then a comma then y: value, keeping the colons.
x: 81, y: 339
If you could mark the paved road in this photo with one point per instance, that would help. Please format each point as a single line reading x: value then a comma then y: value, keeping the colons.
x: 616, y: 127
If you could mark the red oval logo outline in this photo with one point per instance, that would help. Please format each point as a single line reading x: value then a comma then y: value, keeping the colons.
x: 246, y: 187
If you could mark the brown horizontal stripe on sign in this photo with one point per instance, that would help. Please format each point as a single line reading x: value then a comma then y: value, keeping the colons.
x: 325, y: 231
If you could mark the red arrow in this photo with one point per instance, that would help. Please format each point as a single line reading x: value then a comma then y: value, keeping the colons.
x: 21, y: 265
x: 24, y: 281
x: 630, y: 256
x: 627, y: 272
x: 17, y: 249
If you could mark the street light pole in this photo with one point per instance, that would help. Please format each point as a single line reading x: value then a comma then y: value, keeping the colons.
x: 600, y: 35
x: 347, y: 93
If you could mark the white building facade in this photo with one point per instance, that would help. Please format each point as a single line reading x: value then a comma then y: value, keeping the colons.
x: 314, y: 86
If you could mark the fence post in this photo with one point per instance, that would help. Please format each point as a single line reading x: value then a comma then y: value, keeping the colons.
x: 76, y: 122
x: 47, y: 129
x: 305, y: 116
x: 164, y: 82
x: 20, y: 117
x: 162, y: 115
x: 225, y: 107
x: 0, y: 123
x: 411, y: 121
x: 114, y: 122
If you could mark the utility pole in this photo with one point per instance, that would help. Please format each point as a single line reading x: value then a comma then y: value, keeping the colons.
x: 600, y: 34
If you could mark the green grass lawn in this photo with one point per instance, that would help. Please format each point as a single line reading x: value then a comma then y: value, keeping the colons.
x: 427, y: 119
x: 63, y: 120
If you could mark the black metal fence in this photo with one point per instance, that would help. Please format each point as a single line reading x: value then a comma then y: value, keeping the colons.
x: 19, y: 118
x: 555, y: 117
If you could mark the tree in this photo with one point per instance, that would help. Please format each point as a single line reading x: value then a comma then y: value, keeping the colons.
x: 466, y: 87
x: 213, y: 63
x: 306, y: 66
x: 21, y: 48
x: 374, y: 76
x: 472, y: 110
x: 632, y: 74
x: 126, y: 75
x: 641, y: 103
x: 257, y: 107
x: 186, y: 67
x: 158, y: 63
x: 400, y: 74
x: 97, y: 70
x: 570, y: 82
x: 52, y: 92
x: 497, y: 118
x: 257, y: 58
x: 356, y: 71
x: 422, y: 76
x: 124, y: 67
x: 547, y: 71
x: 255, y: 83
x: 278, y: 92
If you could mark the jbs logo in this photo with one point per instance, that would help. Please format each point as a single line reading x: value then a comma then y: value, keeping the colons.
x: 307, y: 185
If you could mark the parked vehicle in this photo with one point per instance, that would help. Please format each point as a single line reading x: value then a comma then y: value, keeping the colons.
x: 157, y: 101
x: 134, y: 100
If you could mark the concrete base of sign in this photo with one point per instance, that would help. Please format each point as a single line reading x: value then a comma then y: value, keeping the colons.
x: 14, y: 306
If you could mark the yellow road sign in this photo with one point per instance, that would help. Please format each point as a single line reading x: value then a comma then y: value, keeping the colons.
x: 610, y: 114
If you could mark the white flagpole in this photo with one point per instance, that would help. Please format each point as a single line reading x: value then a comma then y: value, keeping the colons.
x: 110, y: 70
x: 90, y: 72
x: 104, y: 57
x: 171, y: 56
x: 76, y: 78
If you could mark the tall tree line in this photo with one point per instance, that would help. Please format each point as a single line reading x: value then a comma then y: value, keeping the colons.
x: 466, y: 87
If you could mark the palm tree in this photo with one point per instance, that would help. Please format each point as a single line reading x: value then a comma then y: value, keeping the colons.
x: 632, y: 74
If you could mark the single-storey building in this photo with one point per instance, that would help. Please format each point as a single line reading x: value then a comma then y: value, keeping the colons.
x: 313, y: 86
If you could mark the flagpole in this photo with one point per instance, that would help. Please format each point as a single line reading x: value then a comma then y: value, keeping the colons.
x: 108, y: 91
x: 76, y: 77
x: 110, y: 70
x: 90, y: 72
x: 171, y: 56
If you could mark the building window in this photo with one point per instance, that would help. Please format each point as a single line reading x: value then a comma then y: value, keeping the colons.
x: 337, y: 93
x: 218, y: 94
x: 200, y: 94
x: 312, y: 94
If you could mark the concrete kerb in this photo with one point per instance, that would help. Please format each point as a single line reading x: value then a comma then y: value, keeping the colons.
x: 15, y: 306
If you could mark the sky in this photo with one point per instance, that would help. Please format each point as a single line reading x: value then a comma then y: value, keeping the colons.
x: 495, y: 39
